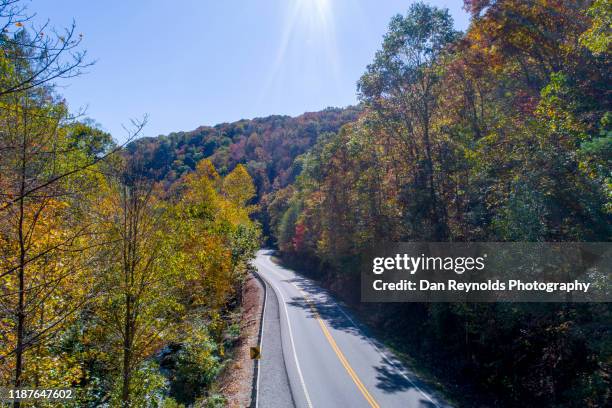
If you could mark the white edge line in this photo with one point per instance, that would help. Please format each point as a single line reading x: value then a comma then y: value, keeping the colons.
x: 297, y: 363
x: 261, y: 337
x: 385, y: 356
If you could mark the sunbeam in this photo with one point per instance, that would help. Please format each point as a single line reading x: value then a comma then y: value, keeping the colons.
x: 310, y: 21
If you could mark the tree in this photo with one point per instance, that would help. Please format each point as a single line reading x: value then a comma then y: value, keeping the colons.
x: 238, y: 186
x: 43, y: 225
x: 598, y: 38
x: 138, y: 310
x: 401, y: 86
x: 49, y: 54
x: 214, y: 236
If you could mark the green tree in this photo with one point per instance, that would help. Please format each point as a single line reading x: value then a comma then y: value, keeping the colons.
x: 402, y: 87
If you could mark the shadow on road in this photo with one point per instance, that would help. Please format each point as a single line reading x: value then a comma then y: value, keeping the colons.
x: 390, y: 381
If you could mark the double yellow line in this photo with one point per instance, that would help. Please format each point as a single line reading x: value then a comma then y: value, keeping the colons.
x: 340, y: 355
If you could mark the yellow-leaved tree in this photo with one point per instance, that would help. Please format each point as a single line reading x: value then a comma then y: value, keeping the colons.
x: 213, y: 236
x: 137, y: 312
x: 45, y: 234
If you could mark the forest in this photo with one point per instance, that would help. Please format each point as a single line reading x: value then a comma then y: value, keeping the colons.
x: 121, y: 264
x: 105, y: 274
x: 268, y: 147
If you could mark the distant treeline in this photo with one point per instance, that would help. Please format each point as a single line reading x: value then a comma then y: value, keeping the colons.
x: 267, y: 146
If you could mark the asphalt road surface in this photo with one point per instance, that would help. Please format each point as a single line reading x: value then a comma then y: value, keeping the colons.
x: 327, y: 358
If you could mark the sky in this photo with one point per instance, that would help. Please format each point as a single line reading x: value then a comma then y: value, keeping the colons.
x: 202, y: 62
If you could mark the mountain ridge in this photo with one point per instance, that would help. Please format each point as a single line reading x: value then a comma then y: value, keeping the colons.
x: 267, y: 146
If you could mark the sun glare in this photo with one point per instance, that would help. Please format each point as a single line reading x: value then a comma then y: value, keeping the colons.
x: 315, y: 8
x: 310, y: 21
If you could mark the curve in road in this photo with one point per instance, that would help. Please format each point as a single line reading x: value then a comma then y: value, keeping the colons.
x: 329, y: 359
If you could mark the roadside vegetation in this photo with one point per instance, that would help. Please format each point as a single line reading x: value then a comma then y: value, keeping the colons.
x: 110, y: 283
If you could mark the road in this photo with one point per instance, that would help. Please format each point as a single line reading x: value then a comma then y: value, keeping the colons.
x: 328, y: 359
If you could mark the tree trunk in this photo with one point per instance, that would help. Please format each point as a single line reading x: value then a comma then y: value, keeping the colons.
x: 21, y: 271
x: 125, y: 391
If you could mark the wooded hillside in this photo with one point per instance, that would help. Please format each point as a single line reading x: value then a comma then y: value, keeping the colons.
x: 267, y: 146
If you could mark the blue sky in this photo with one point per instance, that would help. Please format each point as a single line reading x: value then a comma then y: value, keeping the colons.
x: 191, y: 63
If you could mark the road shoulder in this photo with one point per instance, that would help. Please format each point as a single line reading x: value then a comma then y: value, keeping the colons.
x: 274, y: 388
x: 236, y: 381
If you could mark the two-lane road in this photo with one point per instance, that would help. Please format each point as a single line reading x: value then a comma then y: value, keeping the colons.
x: 328, y: 359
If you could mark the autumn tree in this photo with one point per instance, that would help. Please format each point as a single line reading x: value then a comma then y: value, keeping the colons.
x: 48, y: 174
x: 137, y: 310
x: 44, y: 229
x: 214, y: 236
x: 402, y: 87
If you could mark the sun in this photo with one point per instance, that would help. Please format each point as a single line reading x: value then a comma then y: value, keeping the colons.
x: 316, y: 14
x: 319, y: 8
x: 306, y: 22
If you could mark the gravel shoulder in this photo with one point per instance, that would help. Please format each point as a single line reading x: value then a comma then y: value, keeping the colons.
x: 236, y: 381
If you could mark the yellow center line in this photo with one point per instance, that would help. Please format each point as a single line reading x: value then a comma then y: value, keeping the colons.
x: 340, y: 355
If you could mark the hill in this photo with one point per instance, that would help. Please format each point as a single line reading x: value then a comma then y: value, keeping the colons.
x: 267, y: 146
